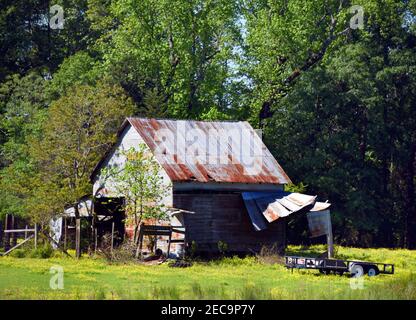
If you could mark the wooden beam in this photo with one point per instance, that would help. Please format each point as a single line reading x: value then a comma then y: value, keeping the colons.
x: 65, y: 232
x: 6, y: 235
x: 78, y: 238
x: 330, y: 239
x: 169, y: 242
x: 14, y: 237
x: 112, y: 237
x: 18, y: 245
x: 19, y: 230
x: 36, y: 236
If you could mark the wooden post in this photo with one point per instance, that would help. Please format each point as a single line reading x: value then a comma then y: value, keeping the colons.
x: 112, y: 237
x: 170, y: 239
x: 78, y: 238
x: 36, y: 236
x: 96, y: 237
x: 6, y: 235
x: 1, y: 235
x: 14, y: 235
x: 330, y: 239
x: 25, y: 231
x: 65, y: 232
x: 140, y: 241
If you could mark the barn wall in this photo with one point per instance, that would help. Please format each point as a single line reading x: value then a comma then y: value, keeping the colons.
x: 129, y: 138
x: 223, y: 217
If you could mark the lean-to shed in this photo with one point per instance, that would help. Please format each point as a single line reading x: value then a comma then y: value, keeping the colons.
x: 220, y: 173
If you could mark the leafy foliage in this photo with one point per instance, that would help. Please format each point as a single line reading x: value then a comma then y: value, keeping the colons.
x: 140, y: 181
x: 336, y: 103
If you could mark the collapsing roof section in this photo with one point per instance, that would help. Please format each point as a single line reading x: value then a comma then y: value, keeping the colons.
x: 211, y: 151
x: 266, y: 207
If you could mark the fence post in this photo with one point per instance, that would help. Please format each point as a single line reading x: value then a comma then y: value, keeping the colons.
x: 330, y: 241
x: 65, y: 232
x: 36, y: 236
x: 14, y: 235
x: 112, y: 237
x: 6, y: 235
x: 78, y: 237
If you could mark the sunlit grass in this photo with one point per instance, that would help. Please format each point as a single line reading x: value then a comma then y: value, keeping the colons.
x: 229, y: 278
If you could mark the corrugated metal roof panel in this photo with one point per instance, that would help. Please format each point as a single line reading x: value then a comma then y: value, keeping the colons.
x: 274, y: 205
x: 210, y: 151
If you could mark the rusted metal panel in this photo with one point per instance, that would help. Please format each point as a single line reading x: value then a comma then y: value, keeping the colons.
x: 277, y: 204
x: 319, y: 223
x: 210, y: 151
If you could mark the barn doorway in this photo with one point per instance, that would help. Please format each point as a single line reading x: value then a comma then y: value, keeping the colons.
x: 109, y: 223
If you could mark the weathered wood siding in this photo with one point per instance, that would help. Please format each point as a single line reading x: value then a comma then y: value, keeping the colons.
x: 223, y: 217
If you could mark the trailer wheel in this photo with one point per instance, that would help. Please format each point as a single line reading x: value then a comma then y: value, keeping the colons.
x: 357, y: 270
x: 340, y: 273
x: 372, y: 271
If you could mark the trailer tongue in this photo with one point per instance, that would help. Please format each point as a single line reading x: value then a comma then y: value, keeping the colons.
x: 337, y: 266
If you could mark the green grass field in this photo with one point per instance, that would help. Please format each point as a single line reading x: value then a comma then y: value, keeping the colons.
x: 229, y: 278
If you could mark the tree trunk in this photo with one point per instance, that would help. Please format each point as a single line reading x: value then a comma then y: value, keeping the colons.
x: 411, y: 199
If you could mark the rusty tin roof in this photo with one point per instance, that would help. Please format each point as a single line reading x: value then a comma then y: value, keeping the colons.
x: 243, y: 158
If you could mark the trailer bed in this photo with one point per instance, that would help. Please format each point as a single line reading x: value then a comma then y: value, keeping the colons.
x: 338, y: 266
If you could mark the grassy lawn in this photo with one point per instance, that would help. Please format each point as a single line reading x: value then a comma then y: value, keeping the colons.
x: 230, y: 278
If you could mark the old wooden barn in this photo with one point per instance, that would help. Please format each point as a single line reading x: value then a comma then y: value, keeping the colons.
x: 225, y: 185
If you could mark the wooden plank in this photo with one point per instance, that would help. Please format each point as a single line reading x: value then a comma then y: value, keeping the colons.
x: 156, y: 233
x: 18, y: 245
x: 178, y: 231
x: 177, y: 241
x: 19, y: 230
x: 150, y: 227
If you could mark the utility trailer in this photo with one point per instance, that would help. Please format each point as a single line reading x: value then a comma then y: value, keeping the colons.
x: 337, y: 266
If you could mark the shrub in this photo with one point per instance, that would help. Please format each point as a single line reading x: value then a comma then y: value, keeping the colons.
x: 222, y: 247
x: 270, y: 255
x: 18, y: 253
x: 44, y: 252
x: 122, y: 254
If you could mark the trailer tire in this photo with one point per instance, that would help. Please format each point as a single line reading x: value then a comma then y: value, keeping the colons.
x: 357, y: 270
x: 372, y: 271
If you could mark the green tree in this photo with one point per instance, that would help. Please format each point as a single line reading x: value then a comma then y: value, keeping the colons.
x: 79, y: 128
x: 350, y: 123
x: 139, y: 180
x: 284, y: 40
x: 177, y: 52
x: 23, y: 105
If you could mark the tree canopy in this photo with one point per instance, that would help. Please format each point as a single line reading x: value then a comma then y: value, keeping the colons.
x: 335, y: 97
